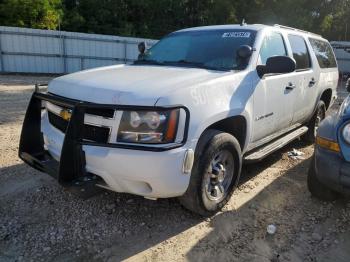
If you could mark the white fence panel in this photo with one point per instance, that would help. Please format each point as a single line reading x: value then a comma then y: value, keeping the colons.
x: 46, y: 51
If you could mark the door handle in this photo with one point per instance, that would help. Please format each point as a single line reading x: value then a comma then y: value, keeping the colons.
x: 290, y: 86
x: 312, y: 82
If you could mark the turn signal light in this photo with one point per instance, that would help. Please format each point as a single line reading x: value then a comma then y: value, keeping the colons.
x: 327, y: 144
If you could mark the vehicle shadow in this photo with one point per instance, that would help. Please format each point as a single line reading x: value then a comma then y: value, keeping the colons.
x: 251, y: 170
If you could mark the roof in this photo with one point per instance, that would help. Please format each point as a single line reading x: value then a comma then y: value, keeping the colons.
x: 219, y: 27
x: 256, y: 27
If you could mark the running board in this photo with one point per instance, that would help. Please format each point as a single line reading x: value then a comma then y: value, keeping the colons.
x: 273, y: 146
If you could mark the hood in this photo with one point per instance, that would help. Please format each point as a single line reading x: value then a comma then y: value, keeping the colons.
x: 128, y: 84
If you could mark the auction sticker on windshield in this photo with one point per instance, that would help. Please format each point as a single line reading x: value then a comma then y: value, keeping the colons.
x: 236, y: 34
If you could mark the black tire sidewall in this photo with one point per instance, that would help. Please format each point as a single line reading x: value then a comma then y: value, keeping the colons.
x: 214, y: 148
x: 316, y: 187
x: 209, y: 145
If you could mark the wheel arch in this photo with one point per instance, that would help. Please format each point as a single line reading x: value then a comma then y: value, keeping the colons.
x: 326, y: 97
x: 234, y: 125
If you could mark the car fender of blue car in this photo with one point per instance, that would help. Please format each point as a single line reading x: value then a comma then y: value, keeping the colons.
x: 331, y: 127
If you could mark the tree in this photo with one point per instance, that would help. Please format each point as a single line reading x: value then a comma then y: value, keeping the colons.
x: 44, y: 14
x: 156, y: 18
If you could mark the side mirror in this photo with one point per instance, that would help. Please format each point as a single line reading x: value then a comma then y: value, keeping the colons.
x: 277, y: 65
x: 142, y: 47
x: 244, y: 51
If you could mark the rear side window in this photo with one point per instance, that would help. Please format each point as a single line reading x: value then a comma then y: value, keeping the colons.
x: 300, y: 52
x: 273, y: 45
x: 324, y: 53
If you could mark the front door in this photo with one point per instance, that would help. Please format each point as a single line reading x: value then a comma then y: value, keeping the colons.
x: 273, y: 96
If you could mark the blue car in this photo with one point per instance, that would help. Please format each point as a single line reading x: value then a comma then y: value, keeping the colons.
x: 329, y: 173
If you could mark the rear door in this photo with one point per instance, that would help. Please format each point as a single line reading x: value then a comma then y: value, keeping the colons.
x: 328, y: 71
x: 305, y: 78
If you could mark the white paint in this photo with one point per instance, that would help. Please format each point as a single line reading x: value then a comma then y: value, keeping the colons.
x: 209, y: 95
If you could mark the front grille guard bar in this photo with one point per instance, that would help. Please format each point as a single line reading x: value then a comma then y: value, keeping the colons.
x: 71, y: 166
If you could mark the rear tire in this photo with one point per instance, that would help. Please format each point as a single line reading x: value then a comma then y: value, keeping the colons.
x: 319, y: 115
x: 316, y: 188
x: 215, y: 173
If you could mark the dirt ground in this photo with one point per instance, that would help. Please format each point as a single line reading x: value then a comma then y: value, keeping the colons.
x: 40, y: 221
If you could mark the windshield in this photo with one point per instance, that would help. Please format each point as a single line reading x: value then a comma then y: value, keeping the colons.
x: 211, y: 49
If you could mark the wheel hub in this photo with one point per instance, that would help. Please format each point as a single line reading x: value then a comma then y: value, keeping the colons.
x: 218, y: 174
x: 218, y: 178
x: 216, y: 186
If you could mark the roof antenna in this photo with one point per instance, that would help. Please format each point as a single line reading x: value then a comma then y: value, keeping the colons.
x: 243, y: 22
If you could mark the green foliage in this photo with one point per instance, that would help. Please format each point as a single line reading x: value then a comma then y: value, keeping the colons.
x: 155, y: 18
x: 44, y: 14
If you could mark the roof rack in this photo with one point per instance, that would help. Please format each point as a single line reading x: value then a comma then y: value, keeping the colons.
x: 295, y: 29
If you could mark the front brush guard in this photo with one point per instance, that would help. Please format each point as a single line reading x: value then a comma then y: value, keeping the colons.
x: 70, y: 170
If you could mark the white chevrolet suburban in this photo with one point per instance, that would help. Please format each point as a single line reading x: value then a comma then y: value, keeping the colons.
x: 180, y: 121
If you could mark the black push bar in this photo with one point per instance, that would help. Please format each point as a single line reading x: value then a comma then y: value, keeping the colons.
x: 70, y: 169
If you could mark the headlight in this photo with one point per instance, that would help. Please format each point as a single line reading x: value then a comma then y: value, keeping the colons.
x: 148, y: 127
x: 346, y: 133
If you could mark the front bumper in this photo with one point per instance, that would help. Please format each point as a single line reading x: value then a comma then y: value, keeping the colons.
x: 148, y: 171
x: 332, y: 170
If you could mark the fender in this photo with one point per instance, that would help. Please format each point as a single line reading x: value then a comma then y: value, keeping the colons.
x: 222, y: 116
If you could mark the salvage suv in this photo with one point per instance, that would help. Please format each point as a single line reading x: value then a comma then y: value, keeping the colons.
x: 180, y: 120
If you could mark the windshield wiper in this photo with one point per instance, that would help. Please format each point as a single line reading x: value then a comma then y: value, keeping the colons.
x: 181, y: 62
x: 196, y: 64
x: 151, y: 62
x: 185, y: 62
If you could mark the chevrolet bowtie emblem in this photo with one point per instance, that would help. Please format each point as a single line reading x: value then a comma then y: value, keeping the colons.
x: 66, y: 114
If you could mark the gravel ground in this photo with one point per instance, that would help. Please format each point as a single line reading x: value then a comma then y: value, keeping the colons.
x: 40, y: 221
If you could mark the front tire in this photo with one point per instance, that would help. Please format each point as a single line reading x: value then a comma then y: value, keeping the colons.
x: 316, y: 188
x: 215, y: 173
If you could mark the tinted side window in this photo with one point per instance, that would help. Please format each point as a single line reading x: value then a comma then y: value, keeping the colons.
x: 273, y: 45
x: 300, y: 52
x: 324, y: 53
